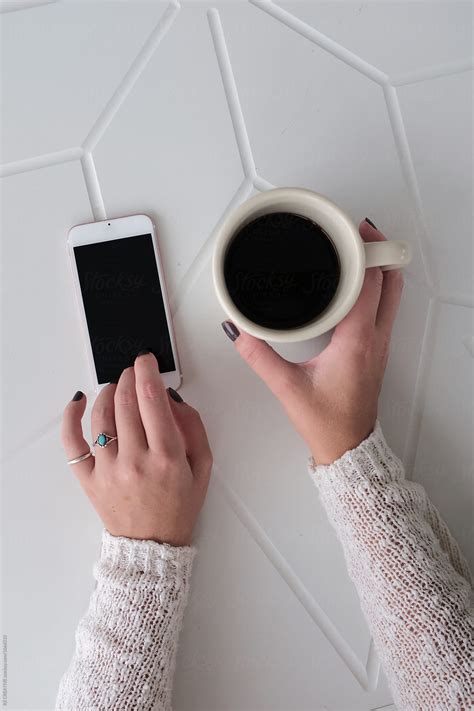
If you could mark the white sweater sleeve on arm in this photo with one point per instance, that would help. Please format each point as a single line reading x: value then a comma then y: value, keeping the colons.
x: 413, y: 583
x: 126, y: 643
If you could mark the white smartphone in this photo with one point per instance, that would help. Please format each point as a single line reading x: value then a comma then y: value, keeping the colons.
x: 122, y: 297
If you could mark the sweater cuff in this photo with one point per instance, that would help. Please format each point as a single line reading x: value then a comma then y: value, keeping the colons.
x: 132, y: 555
x: 371, y: 459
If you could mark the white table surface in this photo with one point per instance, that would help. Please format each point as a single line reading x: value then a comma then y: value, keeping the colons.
x: 182, y: 111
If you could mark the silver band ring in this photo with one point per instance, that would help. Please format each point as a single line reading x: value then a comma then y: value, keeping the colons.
x: 81, y: 458
x: 103, y: 439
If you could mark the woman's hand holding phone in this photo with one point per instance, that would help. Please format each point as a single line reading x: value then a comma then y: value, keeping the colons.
x: 332, y: 399
x: 151, y: 482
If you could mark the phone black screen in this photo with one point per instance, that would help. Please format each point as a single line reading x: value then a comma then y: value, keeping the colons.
x: 123, y: 302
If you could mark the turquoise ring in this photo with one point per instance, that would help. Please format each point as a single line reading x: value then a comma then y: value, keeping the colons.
x: 104, y: 439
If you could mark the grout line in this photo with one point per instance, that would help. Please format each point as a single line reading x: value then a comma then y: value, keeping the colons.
x: 313, y: 35
x: 408, y: 170
x: 262, y: 184
x: 442, y: 70
x: 456, y: 299
x: 14, y: 6
x: 372, y: 667
x: 316, y: 613
x: 43, y: 161
x: 416, y: 414
x: 468, y: 342
x: 132, y: 75
x: 93, y: 188
x: 204, y: 254
x: 232, y: 96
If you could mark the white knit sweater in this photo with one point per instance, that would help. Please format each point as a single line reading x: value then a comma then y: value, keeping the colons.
x: 413, y: 583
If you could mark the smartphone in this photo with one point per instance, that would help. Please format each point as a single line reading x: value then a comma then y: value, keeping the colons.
x: 122, y: 297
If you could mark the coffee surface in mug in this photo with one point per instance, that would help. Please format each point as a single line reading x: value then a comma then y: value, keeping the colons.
x: 281, y: 270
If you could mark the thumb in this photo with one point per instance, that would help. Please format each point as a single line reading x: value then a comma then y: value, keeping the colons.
x: 276, y: 372
x: 72, y: 437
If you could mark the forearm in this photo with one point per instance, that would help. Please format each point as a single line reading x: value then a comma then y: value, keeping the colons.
x: 126, y: 643
x: 413, y: 582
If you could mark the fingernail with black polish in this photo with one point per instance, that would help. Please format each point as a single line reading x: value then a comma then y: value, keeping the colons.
x: 78, y: 396
x: 371, y: 223
x: 230, y: 330
x: 174, y: 395
x: 143, y: 352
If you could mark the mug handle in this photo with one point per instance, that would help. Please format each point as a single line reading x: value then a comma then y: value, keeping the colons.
x: 389, y: 254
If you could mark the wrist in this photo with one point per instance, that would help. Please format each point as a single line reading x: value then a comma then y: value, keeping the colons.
x: 372, y: 459
x: 326, y: 451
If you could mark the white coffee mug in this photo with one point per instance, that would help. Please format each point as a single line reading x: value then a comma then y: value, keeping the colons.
x: 354, y: 254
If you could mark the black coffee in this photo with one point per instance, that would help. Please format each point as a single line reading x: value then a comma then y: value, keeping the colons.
x: 281, y: 270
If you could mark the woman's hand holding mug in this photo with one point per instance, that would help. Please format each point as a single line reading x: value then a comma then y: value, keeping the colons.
x: 332, y: 398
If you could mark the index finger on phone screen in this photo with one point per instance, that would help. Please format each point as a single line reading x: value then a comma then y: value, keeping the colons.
x: 158, y: 421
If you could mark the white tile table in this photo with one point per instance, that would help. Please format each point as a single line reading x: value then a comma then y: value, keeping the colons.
x: 182, y: 111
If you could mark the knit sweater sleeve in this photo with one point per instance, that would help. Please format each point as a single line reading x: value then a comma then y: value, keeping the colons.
x: 126, y: 642
x: 413, y: 583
